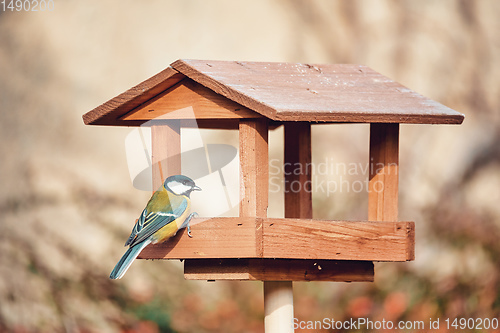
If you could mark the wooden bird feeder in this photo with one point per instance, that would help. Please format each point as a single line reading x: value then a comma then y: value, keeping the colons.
x: 253, y: 97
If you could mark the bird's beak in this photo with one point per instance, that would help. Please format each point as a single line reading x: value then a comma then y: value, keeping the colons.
x: 196, y: 188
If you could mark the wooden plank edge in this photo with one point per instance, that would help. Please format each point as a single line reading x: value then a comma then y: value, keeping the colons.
x: 185, y: 123
x: 235, y: 237
x: 362, y: 117
x: 410, y: 230
x: 220, y: 237
x: 279, y: 270
x: 337, y: 240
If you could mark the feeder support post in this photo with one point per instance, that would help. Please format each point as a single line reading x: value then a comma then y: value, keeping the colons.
x: 384, y: 172
x: 278, y: 295
x: 166, y: 151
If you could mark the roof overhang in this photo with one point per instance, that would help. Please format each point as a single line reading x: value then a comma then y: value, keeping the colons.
x: 221, y: 92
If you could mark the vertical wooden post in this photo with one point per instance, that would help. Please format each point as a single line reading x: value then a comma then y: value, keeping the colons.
x: 254, y: 163
x: 166, y: 151
x: 254, y: 167
x: 278, y: 296
x: 384, y: 173
x: 297, y: 169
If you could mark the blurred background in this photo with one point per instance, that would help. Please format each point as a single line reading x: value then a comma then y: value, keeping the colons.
x: 67, y: 203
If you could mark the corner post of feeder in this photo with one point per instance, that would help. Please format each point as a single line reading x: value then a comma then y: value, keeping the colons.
x: 165, y: 151
x: 254, y: 167
x: 384, y: 172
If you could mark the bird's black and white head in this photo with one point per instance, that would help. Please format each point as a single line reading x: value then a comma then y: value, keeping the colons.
x: 180, y: 185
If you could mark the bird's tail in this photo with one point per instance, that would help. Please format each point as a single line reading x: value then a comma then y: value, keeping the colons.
x: 127, y: 259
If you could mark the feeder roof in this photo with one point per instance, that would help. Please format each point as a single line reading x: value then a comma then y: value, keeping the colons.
x: 342, y: 93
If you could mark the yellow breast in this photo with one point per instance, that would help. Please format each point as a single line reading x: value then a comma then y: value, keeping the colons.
x: 171, y: 229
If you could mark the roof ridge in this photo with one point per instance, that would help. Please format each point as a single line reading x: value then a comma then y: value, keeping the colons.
x: 183, y: 67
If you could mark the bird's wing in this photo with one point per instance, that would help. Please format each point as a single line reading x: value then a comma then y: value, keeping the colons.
x: 157, y: 201
x: 159, y: 212
x: 137, y: 227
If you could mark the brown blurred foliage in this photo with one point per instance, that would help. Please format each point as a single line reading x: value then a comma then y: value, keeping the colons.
x: 66, y: 202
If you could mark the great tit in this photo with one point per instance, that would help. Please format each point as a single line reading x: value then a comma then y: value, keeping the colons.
x: 166, y: 212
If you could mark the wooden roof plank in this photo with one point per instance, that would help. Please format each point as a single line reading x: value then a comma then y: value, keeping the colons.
x: 210, y: 80
x: 288, y: 92
x: 110, y: 112
x: 303, y: 92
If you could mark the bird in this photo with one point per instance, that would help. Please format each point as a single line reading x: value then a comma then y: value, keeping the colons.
x: 166, y: 212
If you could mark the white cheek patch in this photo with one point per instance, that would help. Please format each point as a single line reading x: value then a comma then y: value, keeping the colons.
x: 178, y: 188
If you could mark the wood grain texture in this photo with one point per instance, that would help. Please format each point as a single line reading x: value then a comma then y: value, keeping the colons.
x: 254, y: 167
x: 221, y: 237
x: 166, y: 151
x: 236, y: 237
x: 254, y: 172
x: 297, y: 169
x: 201, y: 102
x: 110, y: 112
x: 279, y: 270
x: 341, y: 240
x: 384, y: 172
x: 304, y: 92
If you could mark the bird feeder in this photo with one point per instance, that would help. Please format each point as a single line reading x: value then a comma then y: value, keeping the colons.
x: 254, y: 97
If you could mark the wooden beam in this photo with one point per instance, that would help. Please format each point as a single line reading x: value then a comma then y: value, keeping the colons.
x: 341, y: 240
x: 384, y: 172
x: 297, y: 169
x: 312, y: 270
x: 254, y: 167
x: 236, y: 237
x: 222, y: 237
x: 279, y: 270
x: 166, y: 151
x: 254, y: 172
x: 384, y: 178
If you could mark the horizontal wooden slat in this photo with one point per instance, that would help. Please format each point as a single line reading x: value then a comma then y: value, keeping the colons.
x: 343, y: 240
x: 222, y: 237
x: 238, y: 237
x: 279, y: 270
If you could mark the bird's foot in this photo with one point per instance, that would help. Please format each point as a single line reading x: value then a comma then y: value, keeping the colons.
x: 186, y: 223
